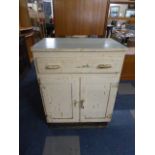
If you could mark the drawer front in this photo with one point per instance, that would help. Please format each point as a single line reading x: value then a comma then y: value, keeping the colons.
x: 79, y: 65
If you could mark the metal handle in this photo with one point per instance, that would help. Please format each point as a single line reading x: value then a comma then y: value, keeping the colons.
x: 81, y: 104
x: 52, y: 67
x: 104, y: 66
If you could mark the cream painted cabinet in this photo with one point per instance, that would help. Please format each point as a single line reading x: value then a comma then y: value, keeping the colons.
x: 77, y: 98
x: 78, y: 78
x: 60, y: 96
x: 94, y: 95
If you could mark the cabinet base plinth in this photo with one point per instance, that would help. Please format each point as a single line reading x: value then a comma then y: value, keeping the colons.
x: 78, y: 125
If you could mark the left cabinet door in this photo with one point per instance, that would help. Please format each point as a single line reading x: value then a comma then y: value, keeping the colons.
x: 60, y: 95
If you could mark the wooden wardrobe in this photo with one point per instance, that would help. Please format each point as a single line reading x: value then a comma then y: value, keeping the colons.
x: 80, y: 17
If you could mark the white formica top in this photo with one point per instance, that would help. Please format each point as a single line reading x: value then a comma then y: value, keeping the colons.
x: 77, y: 44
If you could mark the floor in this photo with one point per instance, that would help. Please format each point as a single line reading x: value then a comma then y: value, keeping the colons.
x: 116, y: 139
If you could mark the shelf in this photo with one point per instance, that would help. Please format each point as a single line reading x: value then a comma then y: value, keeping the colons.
x: 119, y: 18
x: 26, y: 28
x: 123, y: 1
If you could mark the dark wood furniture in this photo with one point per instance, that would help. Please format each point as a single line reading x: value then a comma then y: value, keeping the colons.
x: 24, y: 62
x: 128, y: 70
x: 24, y: 19
x: 26, y: 28
x: 80, y: 17
x: 29, y: 39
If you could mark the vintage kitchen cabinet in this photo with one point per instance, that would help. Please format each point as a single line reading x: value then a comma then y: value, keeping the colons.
x: 78, y: 78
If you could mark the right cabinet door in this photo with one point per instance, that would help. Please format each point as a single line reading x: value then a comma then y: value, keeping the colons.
x: 97, y: 97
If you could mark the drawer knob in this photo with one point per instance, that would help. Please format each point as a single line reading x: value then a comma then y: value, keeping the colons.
x: 104, y: 66
x: 52, y: 67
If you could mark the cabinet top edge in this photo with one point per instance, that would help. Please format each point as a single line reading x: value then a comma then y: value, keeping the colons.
x: 77, y: 44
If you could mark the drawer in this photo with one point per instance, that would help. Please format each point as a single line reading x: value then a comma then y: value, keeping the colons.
x: 79, y: 65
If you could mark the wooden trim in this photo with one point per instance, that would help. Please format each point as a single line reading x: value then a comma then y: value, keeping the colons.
x: 26, y: 28
x: 119, y: 18
x: 128, y: 70
x: 122, y: 1
x: 24, y: 19
x: 29, y: 35
x: 106, y: 18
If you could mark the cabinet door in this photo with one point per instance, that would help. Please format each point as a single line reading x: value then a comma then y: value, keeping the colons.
x: 94, y: 97
x: 60, y: 95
